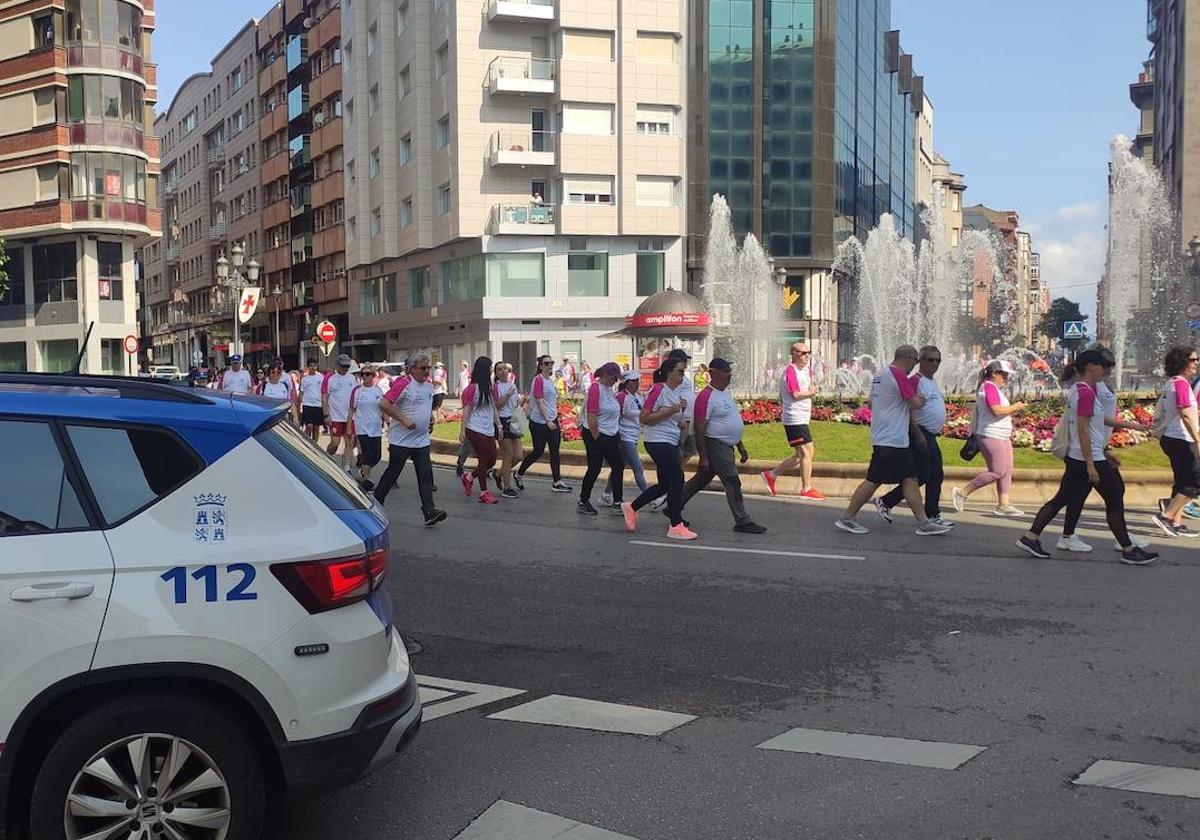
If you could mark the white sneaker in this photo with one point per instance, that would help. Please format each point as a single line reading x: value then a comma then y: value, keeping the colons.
x: 1008, y: 510
x: 941, y: 520
x: 1073, y: 543
x: 606, y: 497
x: 929, y: 528
x: 959, y: 499
x: 1138, y: 542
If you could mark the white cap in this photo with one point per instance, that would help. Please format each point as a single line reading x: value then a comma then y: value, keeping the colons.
x: 1002, y: 365
x: 630, y: 376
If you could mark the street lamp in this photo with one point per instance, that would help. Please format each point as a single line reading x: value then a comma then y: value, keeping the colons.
x: 229, y: 276
x: 276, y: 294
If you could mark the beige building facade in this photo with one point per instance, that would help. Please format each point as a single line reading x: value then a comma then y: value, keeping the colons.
x: 514, y: 176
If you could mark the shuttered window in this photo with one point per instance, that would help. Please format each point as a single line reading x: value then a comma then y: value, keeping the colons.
x: 587, y: 118
x: 655, y: 191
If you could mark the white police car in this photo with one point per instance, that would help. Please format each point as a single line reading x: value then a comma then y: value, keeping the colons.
x: 192, y: 614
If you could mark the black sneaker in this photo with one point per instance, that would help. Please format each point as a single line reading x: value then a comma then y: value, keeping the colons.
x: 1167, y: 526
x: 586, y: 509
x: 433, y: 517
x: 1135, y: 556
x: 560, y: 487
x: 1033, y: 547
x: 366, y: 484
x: 750, y: 528
x: 520, y: 482
x: 1184, y: 531
x: 459, y: 470
x: 510, y: 493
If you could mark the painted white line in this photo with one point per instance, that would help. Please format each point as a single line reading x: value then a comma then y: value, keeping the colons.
x: 934, y: 754
x: 767, y: 551
x: 432, y: 695
x: 1143, y: 778
x: 478, y: 694
x: 577, y: 713
x: 510, y: 821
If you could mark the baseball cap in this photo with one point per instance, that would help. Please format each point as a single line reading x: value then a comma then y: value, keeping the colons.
x: 630, y: 376
x: 234, y: 358
x: 608, y: 369
x: 679, y: 353
x: 719, y: 364
x: 1001, y: 365
x: 344, y: 361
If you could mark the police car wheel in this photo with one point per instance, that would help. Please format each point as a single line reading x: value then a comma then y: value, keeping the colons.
x: 164, y: 766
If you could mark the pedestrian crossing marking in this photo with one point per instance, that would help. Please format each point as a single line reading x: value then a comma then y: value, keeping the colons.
x: 510, y: 821
x: 577, y: 713
x: 449, y: 697
x: 1142, y: 778
x: 934, y: 754
x: 766, y: 551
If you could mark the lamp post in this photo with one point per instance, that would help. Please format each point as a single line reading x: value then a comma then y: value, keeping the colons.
x: 230, y: 277
x: 276, y: 294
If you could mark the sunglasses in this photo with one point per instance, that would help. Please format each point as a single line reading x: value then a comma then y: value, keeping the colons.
x: 547, y: 364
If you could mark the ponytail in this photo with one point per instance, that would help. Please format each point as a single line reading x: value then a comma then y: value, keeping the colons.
x: 1070, y: 371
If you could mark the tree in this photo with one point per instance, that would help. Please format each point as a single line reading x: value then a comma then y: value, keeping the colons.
x: 1061, y: 311
x: 3, y: 272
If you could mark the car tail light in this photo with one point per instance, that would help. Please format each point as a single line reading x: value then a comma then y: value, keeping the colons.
x: 321, y: 585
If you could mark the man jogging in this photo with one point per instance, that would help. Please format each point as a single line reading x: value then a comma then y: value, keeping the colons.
x: 893, y: 399
x: 719, y: 430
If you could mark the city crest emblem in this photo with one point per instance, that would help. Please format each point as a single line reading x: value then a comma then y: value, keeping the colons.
x: 210, y: 523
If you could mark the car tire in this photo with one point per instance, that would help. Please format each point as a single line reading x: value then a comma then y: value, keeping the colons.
x: 218, y: 769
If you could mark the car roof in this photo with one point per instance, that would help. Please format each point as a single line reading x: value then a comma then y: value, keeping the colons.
x: 133, y: 400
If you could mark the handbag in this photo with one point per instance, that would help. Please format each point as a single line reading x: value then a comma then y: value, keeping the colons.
x: 971, y: 448
x: 518, y: 422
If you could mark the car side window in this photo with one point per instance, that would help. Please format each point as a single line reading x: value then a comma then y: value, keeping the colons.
x: 130, y: 468
x: 36, y: 496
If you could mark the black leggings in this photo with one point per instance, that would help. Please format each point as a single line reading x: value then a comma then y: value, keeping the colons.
x: 669, y: 480
x: 1074, y: 489
x: 542, y: 435
x: 599, y: 450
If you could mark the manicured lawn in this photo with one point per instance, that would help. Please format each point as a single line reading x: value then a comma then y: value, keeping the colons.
x: 845, y: 444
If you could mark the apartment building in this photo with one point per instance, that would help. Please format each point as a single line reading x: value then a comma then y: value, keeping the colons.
x: 210, y: 197
x: 513, y: 173
x: 78, y: 178
x: 300, y: 88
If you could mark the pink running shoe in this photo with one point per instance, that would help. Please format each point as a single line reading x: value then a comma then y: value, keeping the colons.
x: 486, y: 498
x: 681, y: 532
x: 814, y: 494
x: 630, y: 516
x: 770, y: 479
x: 468, y: 481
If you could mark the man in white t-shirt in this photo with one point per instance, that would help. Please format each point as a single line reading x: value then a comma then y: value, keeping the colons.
x: 464, y: 376
x: 409, y: 404
x: 312, y: 416
x: 893, y: 399
x: 796, y: 390
x: 335, y: 403
x: 236, y: 380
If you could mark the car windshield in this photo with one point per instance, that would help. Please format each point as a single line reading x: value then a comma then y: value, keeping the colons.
x: 313, y: 467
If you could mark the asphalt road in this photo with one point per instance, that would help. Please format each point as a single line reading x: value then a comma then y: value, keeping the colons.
x: 1048, y: 665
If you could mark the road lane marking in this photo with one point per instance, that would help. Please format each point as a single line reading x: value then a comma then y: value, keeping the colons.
x: 767, y: 551
x: 510, y: 821
x: 464, y: 695
x: 577, y: 713
x: 1142, y: 778
x: 432, y: 695
x: 935, y: 754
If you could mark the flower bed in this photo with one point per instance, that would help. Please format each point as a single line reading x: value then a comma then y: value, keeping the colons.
x: 1032, y: 428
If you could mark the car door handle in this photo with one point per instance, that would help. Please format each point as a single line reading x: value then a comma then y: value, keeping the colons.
x: 48, y: 591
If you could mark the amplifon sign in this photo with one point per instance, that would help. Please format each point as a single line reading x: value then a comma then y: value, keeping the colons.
x: 668, y: 319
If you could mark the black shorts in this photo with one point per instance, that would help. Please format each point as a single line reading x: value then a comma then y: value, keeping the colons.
x: 311, y: 415
x: 798, y: 435
x: 370, y: 450
x: 891, y: 465
x: 506, y: 432
x: 1184, y: 467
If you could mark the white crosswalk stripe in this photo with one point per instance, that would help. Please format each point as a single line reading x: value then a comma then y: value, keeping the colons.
x: 1143, y: 778
x: 450, y: 696
x: 510, y: 821
x: 935, y: 754
x: 577, y: 713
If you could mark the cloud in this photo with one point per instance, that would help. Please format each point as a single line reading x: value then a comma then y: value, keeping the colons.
x: 1071, y: 266
x: 1078, y: 212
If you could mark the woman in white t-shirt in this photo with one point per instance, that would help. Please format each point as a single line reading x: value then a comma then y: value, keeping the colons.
x: 507, y: 399
x: 994, y: 431
x: 481, y: 426
x: 663, y: 415
x: 1179, y: 438
x: 631, y: 431
x: 602, y: 435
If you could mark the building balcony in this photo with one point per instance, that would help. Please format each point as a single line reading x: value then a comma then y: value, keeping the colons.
x: 171, y: 253
x: 216, y: 154
x: 523, y: 148
x: 520, y: 11
x: 170, y: 187
x: 522, y: 76
x: 217, y: 231
x: 523, y: 220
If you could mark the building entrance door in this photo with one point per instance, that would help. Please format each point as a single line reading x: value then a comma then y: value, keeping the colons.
x: 522, y: 355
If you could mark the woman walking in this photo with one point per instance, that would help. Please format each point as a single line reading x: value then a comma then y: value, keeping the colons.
x: 543, y: 424
x: 507, y: 398
x: 1179, y: 438
x: 994, y: 430
x: 631, y: 431
x: 662, y: 417
x: 480, y: 426
x: 1086, y: 466
x: 601, y: 436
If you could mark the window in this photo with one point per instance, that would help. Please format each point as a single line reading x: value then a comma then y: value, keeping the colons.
x: 441, y: 60
x: 587, y: 44
x: 54, y: 279
x: 655, y: 191
x: 587, y: 118
x: 373, y: 100
x: 405, y: 149
x: 12, y: 360
x: 44, y: 499
x: 464, y: 279
x: 419, y: 278
x: 43, y: 31
x: 587, y: 275
x: 443, y: 200
x: 59, y: 355
x: 406, y: 212
x: 655, y: 119
x: 651, y: 267
x: 372, y: 38
x: 516, y: 275
x: 405, y: 82
x: 441, y: 135
x: 376, y: 221
x: 377, y: 295
x: 238, y: 121
x: 112, y: 355
x: 588, y: 190
x: 129, y: 469
x: 110, y: 262
x: 402, y: 18
x: 373, y: 164
x: 235, y: 78
x: 351, y: 229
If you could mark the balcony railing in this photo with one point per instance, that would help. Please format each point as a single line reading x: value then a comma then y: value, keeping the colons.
x: 520, y: 10
x: 528, y: 219
x: 217, y: 230
x: 170, y: 187
x: 523, y: 148
x: 171, y: 253
x: 511, y: 74
x: 216, y: 154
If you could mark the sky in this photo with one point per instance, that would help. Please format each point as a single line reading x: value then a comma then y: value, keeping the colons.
x: 1027, y: 95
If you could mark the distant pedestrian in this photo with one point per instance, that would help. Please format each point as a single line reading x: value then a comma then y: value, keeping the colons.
x: 464, y: 376
x: 631, y: 432
x: 543, y: 424
x: 481, y: 426
x: 439, y: 386
x: 893, y: 399
x: 507, y: 399
x: 993, y: 429
x: 279, y: 386
x: 409, y: 403
x: 367, y: 419
x: 236, y: 380
x: 1086, y: 466
x: 719, y: 429
x: 335, y: 404
x: 796, y: 390
x: 311, y: 410
x: 602, y: 437
x: 1179, y: 430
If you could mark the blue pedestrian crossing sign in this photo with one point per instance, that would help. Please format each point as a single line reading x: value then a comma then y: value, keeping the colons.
x: 1073, y: 329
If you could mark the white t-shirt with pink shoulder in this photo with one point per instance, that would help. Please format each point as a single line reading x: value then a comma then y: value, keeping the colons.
x: 796, y: 412
x: 602, y: 402
x: 480, y: 420
x: 1178, y: 399
x: 504, y: 394
x: 992, y: 425
x: 666, y: 430
x: 1083, y: 401
x: 891, y: 390
x: 414, y: 400
x: 337, y: 388
x: 368, y: 419
x: 542, y: 394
